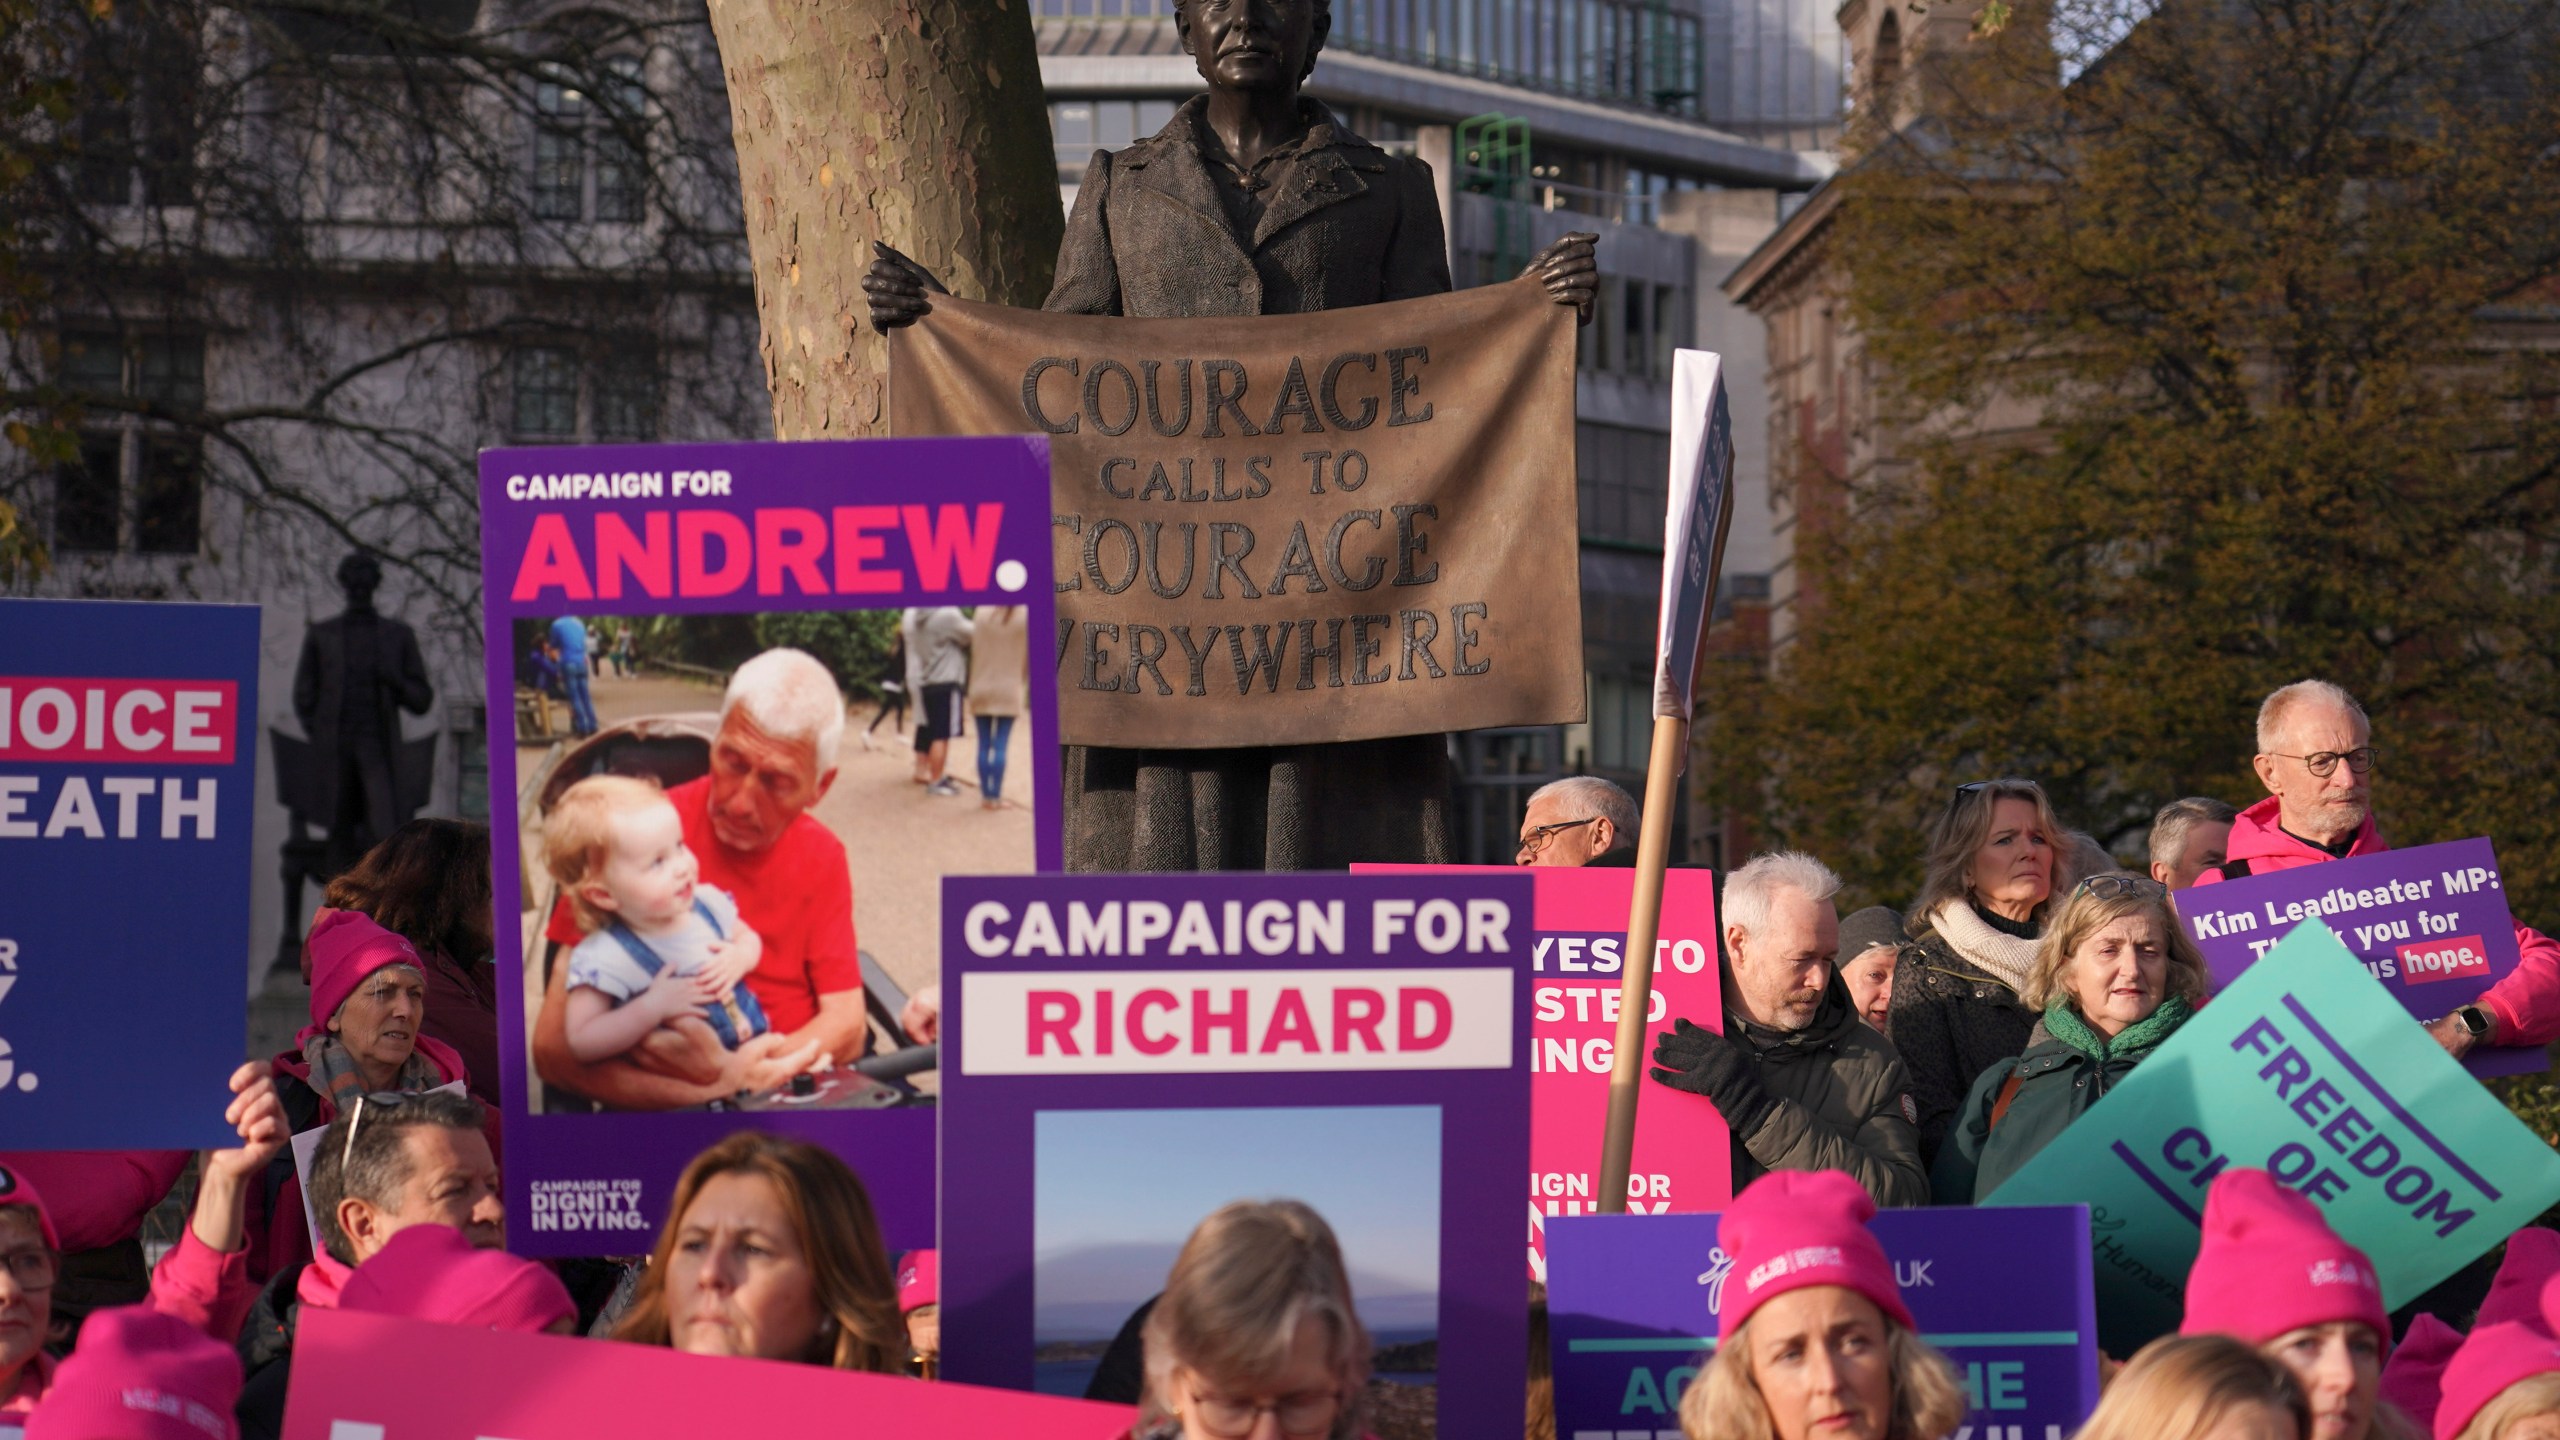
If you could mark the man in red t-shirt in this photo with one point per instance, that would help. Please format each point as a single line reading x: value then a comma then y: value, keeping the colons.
x: 747, y: 822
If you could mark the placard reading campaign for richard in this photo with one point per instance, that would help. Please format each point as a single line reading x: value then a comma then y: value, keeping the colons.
x: 1633, y: 1306
x: 729, y: 667
x: 2306, y: 1068
x: 1136, y: 1052
x: 128, y: 776
x: 2431, y: 924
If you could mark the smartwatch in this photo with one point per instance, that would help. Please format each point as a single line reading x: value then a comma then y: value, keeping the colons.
x: 2475, y: 1021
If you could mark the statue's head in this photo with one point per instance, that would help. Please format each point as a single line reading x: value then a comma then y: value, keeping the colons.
x: 1254, y: 45
x: 360, y: 574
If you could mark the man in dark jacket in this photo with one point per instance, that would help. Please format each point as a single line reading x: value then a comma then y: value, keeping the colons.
x: 1252, y: 200
x: 1802, y: 1083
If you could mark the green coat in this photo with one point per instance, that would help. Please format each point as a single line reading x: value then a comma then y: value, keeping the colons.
x: 2058, y: 1082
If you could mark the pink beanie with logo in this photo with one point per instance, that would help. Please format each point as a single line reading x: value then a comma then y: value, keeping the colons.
x: 432, y: 1272
x: 919, y: 1280
x: 2414, y: 1379
x: 18, y: 1190
x: 2495, y: 1357
x: 140, y: 1375
x: 2269, y: 1263
x: 1797, y: 1228
x: 345, y: 947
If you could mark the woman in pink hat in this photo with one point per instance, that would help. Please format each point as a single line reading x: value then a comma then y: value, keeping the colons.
x: 368, y: 1004
x: 1813, y: 1341
x: 2504, y: 1383
x: 2271, y: 1272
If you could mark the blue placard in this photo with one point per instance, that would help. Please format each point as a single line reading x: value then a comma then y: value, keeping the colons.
x: 1632, y: 1305
x: 128, y: 777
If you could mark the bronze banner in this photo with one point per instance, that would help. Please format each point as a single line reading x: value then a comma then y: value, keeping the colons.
x: 1288, y: 529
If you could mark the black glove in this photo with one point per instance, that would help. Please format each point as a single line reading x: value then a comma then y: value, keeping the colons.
x: 1703, y: 1062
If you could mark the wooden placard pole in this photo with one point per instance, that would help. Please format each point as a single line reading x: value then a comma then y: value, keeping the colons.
x: 1635, y: 985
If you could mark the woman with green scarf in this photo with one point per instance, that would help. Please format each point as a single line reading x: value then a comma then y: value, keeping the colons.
x: 2114, y: 975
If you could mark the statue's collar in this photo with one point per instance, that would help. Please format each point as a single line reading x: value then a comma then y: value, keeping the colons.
x: 1189, y: 129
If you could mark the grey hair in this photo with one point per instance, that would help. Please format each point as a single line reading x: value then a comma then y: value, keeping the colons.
x: 1750, y: 892
x: 2169, y: 828
x: 2272, y: 712
x: 374, y: 1166
x: 1249, y: 1276
x: 1585, y: 796
x: 790, y: 696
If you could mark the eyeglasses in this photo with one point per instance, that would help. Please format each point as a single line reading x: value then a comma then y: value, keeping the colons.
x: 1533, y: 841
x: 379, y: 1100
x: 2114, y: 887
x: 1309, y: 1412
x: 1964, y: 790
x: 33, y: 1269
x: 2324, y: 763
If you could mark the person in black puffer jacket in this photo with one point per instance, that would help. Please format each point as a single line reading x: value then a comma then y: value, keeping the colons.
x: 1995, y: 863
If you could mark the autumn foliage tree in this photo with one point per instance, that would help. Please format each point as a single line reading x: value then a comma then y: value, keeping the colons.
x: 2278, y: 284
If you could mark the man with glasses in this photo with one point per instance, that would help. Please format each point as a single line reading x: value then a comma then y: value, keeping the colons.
x: 2316, y: 757
x: 1584, y: 820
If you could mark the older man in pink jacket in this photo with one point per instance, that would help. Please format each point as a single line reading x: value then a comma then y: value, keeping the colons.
x: 2315, y: 754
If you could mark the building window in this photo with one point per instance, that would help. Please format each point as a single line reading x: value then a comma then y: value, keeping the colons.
x: 1079, y: 127
x: 136, y: 481
x: 589, y: 157
x: 1621, y: 723
x: 1623, y: 478
x: 135, y: 134
x: 615, y: 393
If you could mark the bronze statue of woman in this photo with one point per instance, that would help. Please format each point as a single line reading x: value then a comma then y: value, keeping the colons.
x: 1252, y: 200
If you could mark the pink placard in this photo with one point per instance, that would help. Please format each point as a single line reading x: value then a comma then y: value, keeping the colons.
x: 374, y: 1377
x: 1683, y: 1156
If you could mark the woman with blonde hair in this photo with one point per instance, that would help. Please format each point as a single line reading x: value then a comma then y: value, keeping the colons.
x: 1813, y: 1339
x: 771, y: 1251
x: 2200, y: 1387
x: 2114, y: 977
x: 1255, y: 1336
x: 1996, y: 861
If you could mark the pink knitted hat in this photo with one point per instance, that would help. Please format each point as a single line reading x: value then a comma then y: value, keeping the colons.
x: 2414, y: 1379
x: 17, y: 1189
x: 2495, y: 1357
x: 139, y: 1375
x: 1796, y: 1228
x: 919, y: 1280
x: 432, y: 1272
x: 2532, y: 1258
x: 346, y: 946
x: 2269, y: 1263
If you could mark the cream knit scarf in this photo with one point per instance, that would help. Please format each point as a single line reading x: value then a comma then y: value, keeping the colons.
x: 2004, y: 957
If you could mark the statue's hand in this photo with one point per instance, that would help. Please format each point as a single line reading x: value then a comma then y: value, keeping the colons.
x: 1570, y: 269
x: 899, y: 289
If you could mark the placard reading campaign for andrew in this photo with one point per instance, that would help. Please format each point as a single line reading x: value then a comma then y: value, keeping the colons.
x: 1136, y: 1052
x: 729, y: 668
x: 2431, y: 924
x: 2306, y: 1068
x: 1633, y: 1306
x: 1684, y: 1153
x: 128, y: 777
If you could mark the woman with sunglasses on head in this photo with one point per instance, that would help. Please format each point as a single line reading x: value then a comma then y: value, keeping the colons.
x: 1254, y: 1337
x: 1995, y: 863
x: 2114, y: 976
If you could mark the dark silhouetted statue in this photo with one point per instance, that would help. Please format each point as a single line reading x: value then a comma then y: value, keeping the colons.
x: 358, y: 671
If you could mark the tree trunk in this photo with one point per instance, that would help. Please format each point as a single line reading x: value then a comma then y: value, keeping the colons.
x: 917, y: 122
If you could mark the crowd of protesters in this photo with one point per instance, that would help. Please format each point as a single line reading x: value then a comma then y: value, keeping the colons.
x: 1885, y: 1060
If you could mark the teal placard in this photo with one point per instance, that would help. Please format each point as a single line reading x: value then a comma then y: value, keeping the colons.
x: 2308, y: 1068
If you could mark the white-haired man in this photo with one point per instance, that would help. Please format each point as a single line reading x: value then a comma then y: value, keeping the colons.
x: 1581, y: 820
x: 1801, y: 1082
x: 2315, y: 754
x: 2189, y: 837
x: 747, y: 823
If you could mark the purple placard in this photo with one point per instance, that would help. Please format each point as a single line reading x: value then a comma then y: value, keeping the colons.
x: 1632, y: 1305
x: 2431, y: 924
x: 708, y: 554
x: 1137, y: 1051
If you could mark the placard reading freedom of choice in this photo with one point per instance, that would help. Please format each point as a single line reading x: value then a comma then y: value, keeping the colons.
x: 1288, y: 529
